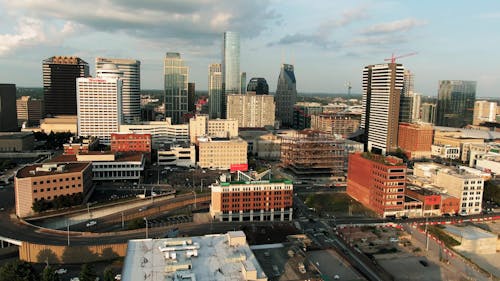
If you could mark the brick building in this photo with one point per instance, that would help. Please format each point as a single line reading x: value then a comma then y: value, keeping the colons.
x: 431, y: 200
x: 48, y: 181
x: 123, y: 142
x: 377, y: 182
x: 415, y: 139
x: 252, y: 198
x: 343, y: 124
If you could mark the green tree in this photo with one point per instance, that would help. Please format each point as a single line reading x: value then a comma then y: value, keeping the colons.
x: 109, y: 274
x: 17, y: 271
x: 87, y: 273
x: 492, y: 191
x: 49, y: 274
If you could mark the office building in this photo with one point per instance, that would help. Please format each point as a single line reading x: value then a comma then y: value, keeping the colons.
x: 428, y: 113
x: 179, y: 154
x: 49, y: 181
x: 126, y: 142
x: 162, y: 132
x: 431, y: 200
x: 29, y: 111
x: 231, y: 63
x: 340, y: 124
x: 455, y: 105
x: 59, y: 84
x: 286, y: 95
x: 60, y: 124
x: 382, y: 86
x: 16, y: 141
x: 200, y: 125
x: 243, y: 80
x: 215, y: 94
x: 258, y: 86
x: 417, y: 102
x: 201, y: 258
x: 77, y: 145
x: 176, y: 87
x: 99, y: 103
x: 8, y: 114
x: 302, y: 112
x: 191, y: 97
x: 131, y: 89
x: 407, y: 99
x: 251, y: 197
x: 415, y: 139
x: 221, y: 153
x: 484, y: 111
x: 251, y: 110
x: 377, y: 182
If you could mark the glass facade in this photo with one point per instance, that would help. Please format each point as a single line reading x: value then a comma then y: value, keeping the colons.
x: 455, y: 106
x: 231, y: 63
x: 286, y: 95
x: 176, y: 87
x: 215, y: 91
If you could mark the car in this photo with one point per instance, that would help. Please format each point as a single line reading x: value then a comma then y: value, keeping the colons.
x: 424, y: 263
x: 61, y: 271
x: 393, y: 240
x: 74, y: 279
x: 91, y: 223
x: 118, y: 277
x: 143, y: 208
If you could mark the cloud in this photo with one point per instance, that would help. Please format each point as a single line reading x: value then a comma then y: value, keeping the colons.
x: 394, y: 26
x: 347, y: 17
x: 28, y: 32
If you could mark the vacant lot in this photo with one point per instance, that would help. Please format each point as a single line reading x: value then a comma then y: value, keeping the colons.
x: 338, y: 204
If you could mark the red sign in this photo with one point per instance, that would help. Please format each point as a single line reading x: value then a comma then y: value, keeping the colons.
x: 239, y: 167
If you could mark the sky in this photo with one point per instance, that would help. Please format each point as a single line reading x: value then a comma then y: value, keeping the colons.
x: 328, y: 41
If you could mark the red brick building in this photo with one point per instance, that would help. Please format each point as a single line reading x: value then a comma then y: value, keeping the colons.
x: 377, y: 182
x: 124, y: 142
x: 415, y: 139
x: 431, y: 200
x: 450, y: 204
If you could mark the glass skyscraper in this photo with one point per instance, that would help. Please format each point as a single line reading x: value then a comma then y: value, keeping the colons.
x: 215, y: 91
x: 176, y: 87
x: 231, y: 63
x: 455, y: 106
x: 286, y: 95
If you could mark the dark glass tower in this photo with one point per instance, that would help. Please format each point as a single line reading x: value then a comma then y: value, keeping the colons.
x: 191, y: 97
x: 176, y: 87
x: 286, y: 95
x: 8, y: 113
x: 455, y: 106
x: 59, y: 84
x: 258, y: 86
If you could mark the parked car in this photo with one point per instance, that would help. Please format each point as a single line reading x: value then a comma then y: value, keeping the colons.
x: 91, y: 223
x: 61, y: 271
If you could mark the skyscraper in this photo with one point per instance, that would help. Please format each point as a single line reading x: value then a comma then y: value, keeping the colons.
x: 231, y: 63
x: 176, y: 87
x: 484, y: 111
x: 59, y: 84
x: 243, y: 80
x: 99, y: 103
x: 455, y: 105
x: 29, y: 110
x: 191, y: 96
x: 382, y: 85
x: 8, y: 115
x: 251, y: 110
x: 215, y: 91
x: 131, y: 92
x: 407, y: 98
x: 286, y: 95
x: 428, y: 113
x: 258, y: 86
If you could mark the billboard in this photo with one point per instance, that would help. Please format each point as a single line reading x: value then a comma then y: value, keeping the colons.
x: 238, y: 167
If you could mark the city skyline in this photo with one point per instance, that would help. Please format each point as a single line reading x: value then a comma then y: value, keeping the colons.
x: 328, y: 43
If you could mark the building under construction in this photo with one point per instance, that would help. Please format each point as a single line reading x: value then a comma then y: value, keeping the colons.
x: 314, y: 155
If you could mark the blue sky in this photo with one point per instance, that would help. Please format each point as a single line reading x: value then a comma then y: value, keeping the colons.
x: 328, y: 41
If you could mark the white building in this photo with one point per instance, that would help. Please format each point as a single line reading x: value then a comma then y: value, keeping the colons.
x: 251, y: 110
x: 484, y: 111
x: 131, y: 91
x: 200, y: 125
x: 162, y: 132
x: 445, y: 151
x: 198, y: 258
x: 114, y: 166
x: 99, y: 103
x: 177, y: 155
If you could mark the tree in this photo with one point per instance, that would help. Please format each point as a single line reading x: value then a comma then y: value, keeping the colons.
x: 87, y: 273
x: 48, y: 274
x: 109, y: 275
x: 17, y: 271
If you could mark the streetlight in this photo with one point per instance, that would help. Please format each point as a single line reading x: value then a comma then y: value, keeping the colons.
x: 67, y: 229
x: 194, y: 198
x: 145, y: 219
x: 202, y: 185
x: 123, y: 221
x: 152, y: 196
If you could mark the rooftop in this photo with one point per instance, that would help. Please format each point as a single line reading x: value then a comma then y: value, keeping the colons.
x: 14, y: 135
x: 386, y: 160
x: 469, y: 232
x: 118, y: 156
x: 39, y: 170
x: 209, y: 257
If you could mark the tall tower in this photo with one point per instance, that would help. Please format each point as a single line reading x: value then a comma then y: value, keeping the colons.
x: 131, y: 92
x: 230, y: 66
x: 286, y: 95
x: 455, y: 105
x: 407, y: 98
x: 176, y: 87
x: 59, y: 84
x: 243, y: 80
x: 215, y: 91
x: 8, y: 114
x: 99, y: 103
x: 191, y: 96
x: 382, y: 85
x: 258, y: 86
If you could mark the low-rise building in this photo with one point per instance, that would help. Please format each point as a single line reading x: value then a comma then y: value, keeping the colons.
x: 125, y: 142
x: 200, y: 125
x: 48, y: 181
x: 415, y: 139
x: 201, y: 258
x: 60, y: 124
x: 449, y: 204
x: 181, y: 154
x: 431, y: 200
x: 445, y: 151
x: 162, y: 132
x: 16, y: 141
x: 221, y: 154
x: 80, y: 145
x: 252, y: 197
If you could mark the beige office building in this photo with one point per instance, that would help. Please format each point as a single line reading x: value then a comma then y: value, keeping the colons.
x: 29, y: 111
x: 484, y: 111
x: 221, y: 154
x: 251, y: 110
x: 59, y: 124
x: 200, y: 125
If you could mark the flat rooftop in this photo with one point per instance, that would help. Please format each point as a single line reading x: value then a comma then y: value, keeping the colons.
x: 469, y: 232
x: 31, y: 171
x: 119, y: 156
x: 209, y: 257
x: 14, y: 135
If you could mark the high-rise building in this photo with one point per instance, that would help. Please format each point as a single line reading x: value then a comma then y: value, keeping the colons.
x: 484, y: 111
x: 258, y: 86
x: 29, y: 111
x: 215, y: 101
x: 99, y: 103
x: 286, y: 95
x: 59, y: 84
x: 455, y: 104
x: 231, y: 63
x: 382, y: 85
x: 417, y: 101
x: 131, y: 91
x: 251, y: 110
x: 243, y: 79
x: 191, y: 96
x: 8, y: 115
x: 176, y: 87
x: 407, y: 98
x: 428, y: 113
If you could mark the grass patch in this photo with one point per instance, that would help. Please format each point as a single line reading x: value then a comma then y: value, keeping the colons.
x: 335, y: 203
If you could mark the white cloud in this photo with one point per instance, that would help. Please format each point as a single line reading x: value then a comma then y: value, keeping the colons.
x: 394, y: 26
x: 28, y: 32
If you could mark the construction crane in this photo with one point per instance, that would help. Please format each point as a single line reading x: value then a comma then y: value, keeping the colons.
x: 393, y: 58
x: 349, y: 87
